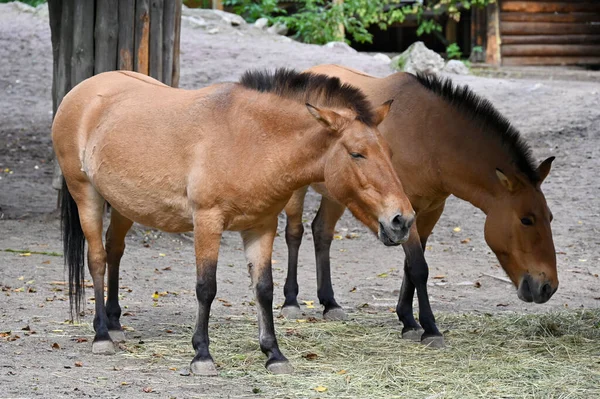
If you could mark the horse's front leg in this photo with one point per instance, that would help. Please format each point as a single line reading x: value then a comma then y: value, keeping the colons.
x: 417, y: 271
x: 207, y: 239
x: 258, y: 245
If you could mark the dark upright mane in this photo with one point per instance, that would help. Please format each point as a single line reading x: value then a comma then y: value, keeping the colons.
x: 482, y: 110
x: 310, y: 87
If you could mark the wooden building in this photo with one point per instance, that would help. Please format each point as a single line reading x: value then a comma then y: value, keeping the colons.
x: 538, y: 32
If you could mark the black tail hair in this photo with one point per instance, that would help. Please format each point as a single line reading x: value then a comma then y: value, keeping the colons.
x: 74, y: 248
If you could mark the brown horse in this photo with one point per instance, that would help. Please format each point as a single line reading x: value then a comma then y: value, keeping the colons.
x: 446, y: 140
x: 226, y: 157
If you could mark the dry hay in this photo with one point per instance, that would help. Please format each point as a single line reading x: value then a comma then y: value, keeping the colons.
x: 508, y: 355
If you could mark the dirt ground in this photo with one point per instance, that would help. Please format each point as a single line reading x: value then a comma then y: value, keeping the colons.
x: 557, y: 117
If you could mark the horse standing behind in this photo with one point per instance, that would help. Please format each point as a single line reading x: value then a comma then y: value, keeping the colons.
x: 446, y: 140
x: 226, y: 157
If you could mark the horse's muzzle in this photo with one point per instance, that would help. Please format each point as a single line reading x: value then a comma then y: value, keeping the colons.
x: 396, y: 230
x: 533, y: 290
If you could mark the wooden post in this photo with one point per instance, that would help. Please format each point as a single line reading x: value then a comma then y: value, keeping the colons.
x: 168, y: 41
x: 156, y: 38
x: 341, y: 28
x: 126, y: 34
x: 55, y: 13
x: 493, y: 35
x: 142, y: 35
x: 217, y: 4
x: 176, y: 43
x: 106, y: 33
x: 94, y: 36
x: 82, y: 60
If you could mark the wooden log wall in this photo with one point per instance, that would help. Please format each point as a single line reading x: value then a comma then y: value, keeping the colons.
x: 94, y: 36
x: 556, y: 32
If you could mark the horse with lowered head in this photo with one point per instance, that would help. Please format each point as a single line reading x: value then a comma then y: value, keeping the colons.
x: 445, y: 140
x: 225, y: 157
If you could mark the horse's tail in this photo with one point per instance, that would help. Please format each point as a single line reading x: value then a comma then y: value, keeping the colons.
x: 74, y: 248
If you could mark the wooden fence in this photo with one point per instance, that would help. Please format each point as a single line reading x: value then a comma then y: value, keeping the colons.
x: 544, y: 32
x: 94, y: 36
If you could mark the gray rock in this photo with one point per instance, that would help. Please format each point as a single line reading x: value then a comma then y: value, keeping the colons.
x: 278, y: 29
x: 261, y: 23
x: 22, y: 7
x: 382, y: 58
x: 213, y: 15
x: 194, y: 22
x: 418, y: 58
x: 456, y: 67
x: 340, y: 45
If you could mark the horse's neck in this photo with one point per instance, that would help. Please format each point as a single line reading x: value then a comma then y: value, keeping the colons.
x: 297, y: 152
x: 463, y: 158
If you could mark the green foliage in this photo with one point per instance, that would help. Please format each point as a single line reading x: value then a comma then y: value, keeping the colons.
x: 252, y: 10
x: 319, y: 21
x: 453, y: 52
x: 33, y: 3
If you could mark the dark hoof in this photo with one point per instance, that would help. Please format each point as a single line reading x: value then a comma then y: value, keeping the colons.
x: 117, y: 335
x: 435, y: 342
x: 204, y: 368
x: 292, y: 312
x: 103, y: 348
x: 414, y: 334
x: 280, y: 368
x: 335, y: 314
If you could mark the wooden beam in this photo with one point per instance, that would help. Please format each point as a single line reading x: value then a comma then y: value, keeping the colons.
x: 106, y: 35
x: 547, y: 28
x: 554, y: 50
x: 55, y: 16
x: 478, y: 33
x: 549, y: 17
x: 82, y: 61
x: 176, y: 44
x: 493, y: 55
x: 156, y: 38
x: 142, y: 36
x: 126, y: 39
x: 547, y: 6
x: 512, y: 61
x: 217, y: 4
x: 168, y: 41
x: 65, y: 51
x: 551, y: 39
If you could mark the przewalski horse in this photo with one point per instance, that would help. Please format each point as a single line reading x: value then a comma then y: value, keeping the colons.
x: 446, y: 140
x: 226, y: 157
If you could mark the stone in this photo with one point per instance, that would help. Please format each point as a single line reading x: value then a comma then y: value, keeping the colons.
x: 456, y: 67
x: 340, y: 45
x: 418, y: 58
x: 382, y: 58
x: 194, y: 22
x: 261, y: 23
x: 278, y: 29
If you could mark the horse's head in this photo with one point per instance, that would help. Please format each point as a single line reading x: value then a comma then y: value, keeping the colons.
x: 518, y: 230
x: 360, y: 175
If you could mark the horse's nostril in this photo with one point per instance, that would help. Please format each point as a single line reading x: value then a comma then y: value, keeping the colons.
x: 546, y: 290
x: 397, y: 222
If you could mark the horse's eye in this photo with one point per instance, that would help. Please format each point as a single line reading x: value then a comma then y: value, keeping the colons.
x: 356, y: 155
x: 527, y: 221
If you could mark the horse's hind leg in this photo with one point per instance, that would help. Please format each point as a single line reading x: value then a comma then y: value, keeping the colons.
x: 258, y: 245
x: 91, y: 210
x: 294, y: 230
x: 115, y: 246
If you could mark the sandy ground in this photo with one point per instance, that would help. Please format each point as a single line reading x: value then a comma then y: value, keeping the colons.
x: 560, y: 118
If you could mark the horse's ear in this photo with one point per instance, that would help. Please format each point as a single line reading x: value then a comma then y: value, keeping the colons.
x: 382, y: 111
x: 544, y: 168
x: 326, y: 117
x: 506, y: 182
